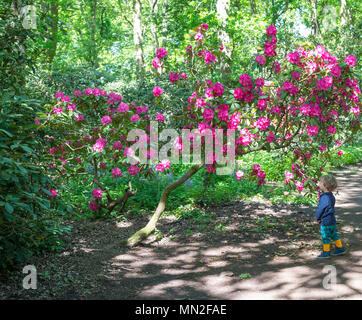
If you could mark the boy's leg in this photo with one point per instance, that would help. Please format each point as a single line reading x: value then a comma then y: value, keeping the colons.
x: 326, y: 242
x: 335, y: 237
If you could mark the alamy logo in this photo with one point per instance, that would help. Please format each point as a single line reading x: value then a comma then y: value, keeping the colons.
x: 29, y: 17
x: 330, y: 280
x: 30, y: 281
x: 329, y: 21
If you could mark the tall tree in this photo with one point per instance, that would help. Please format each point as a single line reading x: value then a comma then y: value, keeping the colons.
x: 54, y: 21
x: 138, y: 38
x: 222, y: 8
x: 153, y: 4
x: 315, y: 25
x: 344, y: 13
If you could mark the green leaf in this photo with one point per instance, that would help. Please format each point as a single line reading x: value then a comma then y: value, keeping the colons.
x: 9, y: 208
x: 7, y: 133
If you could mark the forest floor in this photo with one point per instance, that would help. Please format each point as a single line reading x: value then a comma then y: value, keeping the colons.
x: 241, y: 250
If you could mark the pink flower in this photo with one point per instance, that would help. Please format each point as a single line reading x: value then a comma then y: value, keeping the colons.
x: 174, y: 77
x: 223, y: 115
x: 100, y: 144
x: 105, y: 120
x: 245, y: 81
x: 123, y: 107
x: 128, y: 152
x: 79, y: 117
x: 288, y: 176
x: 57, y: 110
x: 117, y: 145
x: 53, y: 193
x: 156, y: 63
x: 295, y: 75
x: 288, y: 87
x: 263, y: 123
x: 269, y: 48
x: 271, y: 31
x: 259, y: 82
x: 332, y: 130
x: 157, y: 91
x: 336, y: 71
x: 261, y: 174
x: 262, y: 104
x: 275, y: 110
x: 260, y: 59
x: 160, y: 117
x: 210, y: 168
x: 271, y: 137
x: 322, y: 148
x: 208, y: 114
x: 97, y: 92
x: 77, y: 93
x: 299, y: 185
x: 36, y: 121
x: 209, y: 57
x: 135, y: 118
x: 97, y: 194
x: 350, y: 60
x: 239, y: 94
x: 161, y: 52
x: 325, y: 83
x: 71, y: 107
x: 65, y: 99
x: 166, y: 163
x: 218, y: 89
x: 293, y: 57
x: 160, y: 167
x: 178, y: 143
x: 355, y: 110
x: 59, y: 95
x: 312, y: 130
x: 94, y: 206
x: 204, y: 26
x: 198, y: 36
x: 133, y: 170
x: 88, y: 91
x: 276, y: 67
x: 53, y: 150
x: 239, y: 174
x: 340, y: 152
x: 116, y: 173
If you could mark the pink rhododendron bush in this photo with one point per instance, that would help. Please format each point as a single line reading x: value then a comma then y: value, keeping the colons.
x: 306, y: 102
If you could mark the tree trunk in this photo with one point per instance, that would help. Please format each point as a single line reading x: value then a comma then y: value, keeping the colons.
x: 93, y: 30
x: 143, y: 233
x: 222, y: 8
x: 164, y: 24
x: 153, y: 25
x: 253, y: 8
x: 138, y: 38
x: 315, y: 26
x: 344, y: 13
x: 54, y: 11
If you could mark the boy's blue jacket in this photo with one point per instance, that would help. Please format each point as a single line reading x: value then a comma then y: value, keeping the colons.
x: 325, y: 210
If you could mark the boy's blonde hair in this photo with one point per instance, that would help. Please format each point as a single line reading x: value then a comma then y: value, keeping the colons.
x: 329, y: 182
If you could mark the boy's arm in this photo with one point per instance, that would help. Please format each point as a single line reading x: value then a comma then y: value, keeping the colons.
x: 323, y: 202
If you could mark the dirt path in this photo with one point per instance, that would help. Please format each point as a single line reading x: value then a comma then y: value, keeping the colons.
x: 245, y: 251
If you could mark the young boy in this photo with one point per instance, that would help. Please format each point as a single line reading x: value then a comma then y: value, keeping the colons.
x: 325, y: 217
